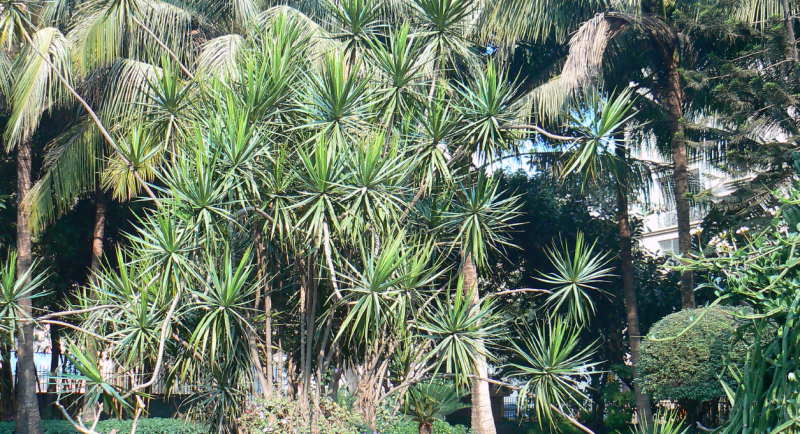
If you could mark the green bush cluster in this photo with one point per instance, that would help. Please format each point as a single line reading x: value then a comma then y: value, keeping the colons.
x: 154, y: 425
x: 689, y: 366
x: 286, y: 415
x: 439, y: 427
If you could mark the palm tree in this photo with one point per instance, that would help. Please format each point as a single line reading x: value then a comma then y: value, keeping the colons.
x: 40, y: 54
x: 431, y: 401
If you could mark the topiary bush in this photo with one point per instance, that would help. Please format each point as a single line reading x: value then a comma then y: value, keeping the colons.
x: 689, y: 366
x: 154, y: 425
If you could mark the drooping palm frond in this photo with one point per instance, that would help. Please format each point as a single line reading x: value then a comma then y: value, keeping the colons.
x: 507, y: 22
x: 36, y: 88
x: 132, y: 29
x: 300, y: 24
x: 71, y: 166
x: 123, y: 89
x: 218, y: 57
x: 587, y: 49
x: 763, y: 13
x: 5, y: 78
x: 16, y: 23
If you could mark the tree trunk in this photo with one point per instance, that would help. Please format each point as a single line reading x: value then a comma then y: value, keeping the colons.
x: 482, y: 420
x: 673, y: 99
x: 27, y: 411
x: 98, y: 231
x: 628, y: 286
x: 791, y: 41
x: 55, y: 362
x: 425, y: 428
x: 88, y: 411
x: 6, y: 384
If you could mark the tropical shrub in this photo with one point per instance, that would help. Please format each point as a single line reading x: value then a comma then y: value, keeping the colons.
x: 286, y: 415
x: 438, y: 427
x: 761, y: 269
x: 685, y: 352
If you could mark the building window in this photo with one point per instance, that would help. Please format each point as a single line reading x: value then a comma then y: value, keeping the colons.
x: 669, y: 246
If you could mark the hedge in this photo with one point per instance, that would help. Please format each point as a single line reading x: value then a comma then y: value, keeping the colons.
x: 154, y: 425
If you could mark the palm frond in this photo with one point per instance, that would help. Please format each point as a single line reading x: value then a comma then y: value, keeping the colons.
x: 36, y: 88
x: 71, y: 166
x: 218, y: 56
x: 587, y: 49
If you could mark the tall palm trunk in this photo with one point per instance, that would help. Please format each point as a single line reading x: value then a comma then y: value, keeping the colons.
x: 673, y: 99
x: 791, y: 41
x: 628, y: 286
x: 88, y: 411
x: 98, y: 231
x: 482, y: 419
x: 27, y: 411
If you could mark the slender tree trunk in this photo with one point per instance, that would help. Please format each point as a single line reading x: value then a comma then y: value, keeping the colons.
x: 791, y: 41
x: 6, y: 384
x: 268, y: 364
x: 88, y: 409
x: 673, y: 98
x: 55, y: 362
x: 628, y: 285
x: 98, y: 231
x: 482, y: 419
x: 265, y: 378
x: 27, y: 411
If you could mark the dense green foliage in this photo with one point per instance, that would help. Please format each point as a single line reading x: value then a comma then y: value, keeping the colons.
x: 685, y: 353
x: 759, y: 269
x: 298, y: 199
x: 144, y: 426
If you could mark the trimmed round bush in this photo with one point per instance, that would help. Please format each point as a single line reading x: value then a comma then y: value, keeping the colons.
x: 689, y: 366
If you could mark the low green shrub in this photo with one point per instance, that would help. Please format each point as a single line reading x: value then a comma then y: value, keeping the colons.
x: 439, y: 427
x: 284, y: 415
x: 689, y: 366
x: 154, y: 425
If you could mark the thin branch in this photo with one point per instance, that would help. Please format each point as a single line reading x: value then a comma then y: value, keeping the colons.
x: 76, y: 424
x: 520, y: 290
x: 161, y: 345
x: 329, y: 259
x: 543, y: 132
x: 73, y: 312
x: 163, y: 46
x: 80, y: 329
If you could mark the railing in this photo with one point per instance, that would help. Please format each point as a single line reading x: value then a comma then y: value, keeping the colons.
x: 68, y: 380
